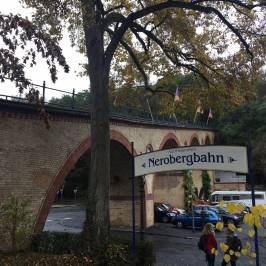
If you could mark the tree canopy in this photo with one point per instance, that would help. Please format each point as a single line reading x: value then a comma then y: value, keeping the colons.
x: 249, y: 120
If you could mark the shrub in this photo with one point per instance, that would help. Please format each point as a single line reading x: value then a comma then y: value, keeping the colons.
x: 114, y: 255
x: 145, y: 254
x: 16, y: 223
x: 57, y: 243
x: 118, y: 253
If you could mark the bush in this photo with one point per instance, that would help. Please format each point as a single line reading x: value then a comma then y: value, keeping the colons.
x: 16, y: 223
x: 58, y: 243
x: 117, y: 253
x: 145, y: 254
x: 32, y: 259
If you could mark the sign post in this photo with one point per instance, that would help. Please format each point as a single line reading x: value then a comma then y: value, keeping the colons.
x: 133, y: 203
x: 252, y: 183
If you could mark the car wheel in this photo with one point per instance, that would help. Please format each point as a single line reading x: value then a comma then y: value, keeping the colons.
x: 165, y: 219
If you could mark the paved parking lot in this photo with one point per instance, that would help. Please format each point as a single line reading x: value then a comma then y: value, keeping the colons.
x: 173, y: 247
x: 176, y: 247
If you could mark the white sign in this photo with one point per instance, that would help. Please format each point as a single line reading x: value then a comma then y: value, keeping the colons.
x: 224, y: 158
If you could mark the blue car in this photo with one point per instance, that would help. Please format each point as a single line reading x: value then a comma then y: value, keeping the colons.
x: 185, y: 220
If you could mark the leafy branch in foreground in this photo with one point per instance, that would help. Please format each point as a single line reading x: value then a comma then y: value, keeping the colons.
x: 16, y: 33
x: 256, y: 217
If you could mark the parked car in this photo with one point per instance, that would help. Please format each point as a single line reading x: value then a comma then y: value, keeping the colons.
x: 186, y: 220
x: 227, y: 217
x: 200, y: 208
x: 164, y: 212
x: 169, y: 207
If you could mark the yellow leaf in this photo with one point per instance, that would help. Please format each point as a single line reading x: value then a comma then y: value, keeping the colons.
x: 221, y: 204
x: 232, y: 208
x: 237, y: 254
x: 253, y: 255
x: 220, y: 226
x: 239, y: 229
x: 249, y: 219
x: 257, y: 221
x: 244, y: 251
x: 226, y: 258
x: 231, y: 252
x: 251, y: 233
x: 255, y: 210
x: 231, y: 227
x: 224, y: 247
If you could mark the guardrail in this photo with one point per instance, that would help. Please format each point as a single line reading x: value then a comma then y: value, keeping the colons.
x: 125, y: 113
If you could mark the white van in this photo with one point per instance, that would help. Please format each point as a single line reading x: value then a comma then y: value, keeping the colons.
x: 238, y: 197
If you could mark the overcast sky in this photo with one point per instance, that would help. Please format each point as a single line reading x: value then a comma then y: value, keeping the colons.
x: 40, y: 73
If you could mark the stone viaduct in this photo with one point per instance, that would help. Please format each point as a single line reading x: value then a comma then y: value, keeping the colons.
x: 35, y: 161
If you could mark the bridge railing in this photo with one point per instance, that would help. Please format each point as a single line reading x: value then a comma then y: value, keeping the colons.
x: 70, y: 102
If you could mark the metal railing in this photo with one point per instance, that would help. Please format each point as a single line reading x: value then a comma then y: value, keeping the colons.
x: 116, y: 112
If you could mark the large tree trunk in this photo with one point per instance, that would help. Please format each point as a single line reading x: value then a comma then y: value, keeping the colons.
x: 97, y: 224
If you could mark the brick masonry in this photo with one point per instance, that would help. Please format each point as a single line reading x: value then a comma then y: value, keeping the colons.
x: 34, y: 161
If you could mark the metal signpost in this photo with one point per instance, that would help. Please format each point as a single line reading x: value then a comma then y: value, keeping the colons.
x: 223, y: 158
x: 133, y: 204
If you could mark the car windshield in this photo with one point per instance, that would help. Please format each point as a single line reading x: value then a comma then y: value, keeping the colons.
x: 167, y: 206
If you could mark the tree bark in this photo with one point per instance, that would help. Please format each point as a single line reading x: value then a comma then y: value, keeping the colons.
x: 97, y: 224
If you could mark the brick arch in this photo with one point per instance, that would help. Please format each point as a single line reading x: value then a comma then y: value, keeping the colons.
x: 207, y: 140
x: 168, y: 137
x: 58, y: 181
x: 69, y: 164
x: 119, y: 137
x: 194, y: 136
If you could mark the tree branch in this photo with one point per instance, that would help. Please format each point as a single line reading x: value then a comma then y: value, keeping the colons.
x: 237, y: 2
x: 145, y: 48
x: 127, y: 22
x: 135, y: 59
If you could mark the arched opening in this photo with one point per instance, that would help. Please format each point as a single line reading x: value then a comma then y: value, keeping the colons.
x: 169, y: 141
x: 170, y: 144
x: 120, y: 187
x: 167, y: 186
x: 69, y: 188
x: 196, y: 174
x: 194, y: 141
x: 207, y: 141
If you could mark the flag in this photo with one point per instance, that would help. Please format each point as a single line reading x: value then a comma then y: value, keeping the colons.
x: 210, y: 113
x: 199, y: 109
x: 177, y: 95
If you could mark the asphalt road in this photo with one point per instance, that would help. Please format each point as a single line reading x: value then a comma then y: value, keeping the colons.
x: 173, y: 247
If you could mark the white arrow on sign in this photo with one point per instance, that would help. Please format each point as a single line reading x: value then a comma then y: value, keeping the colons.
x: 224, y: 158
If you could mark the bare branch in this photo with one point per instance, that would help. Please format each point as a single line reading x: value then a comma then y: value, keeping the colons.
x: 236, y: 2
x: 145, y: 48
x: 141, y: 4
x: 113, y: 9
